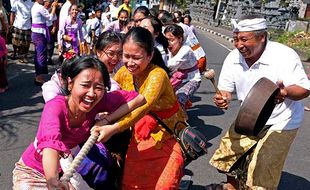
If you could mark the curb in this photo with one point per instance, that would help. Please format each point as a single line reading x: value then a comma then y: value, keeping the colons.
x: 231, y: 40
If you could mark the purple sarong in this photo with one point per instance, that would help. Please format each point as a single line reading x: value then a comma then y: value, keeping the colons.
x: 47, y: 31
x: 40, y: 53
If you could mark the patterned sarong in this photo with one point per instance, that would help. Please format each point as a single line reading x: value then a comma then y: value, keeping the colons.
x: 21, y: 37
x: 263, y: 170
x: 26, y: 178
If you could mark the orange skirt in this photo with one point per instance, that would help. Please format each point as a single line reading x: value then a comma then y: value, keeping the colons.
x: 202, y: 64
x: 149, y: 168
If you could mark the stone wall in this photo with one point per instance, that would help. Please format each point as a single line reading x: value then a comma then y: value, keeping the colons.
x: 276, y: 14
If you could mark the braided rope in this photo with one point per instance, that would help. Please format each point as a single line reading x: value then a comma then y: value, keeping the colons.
x: 79, y: 157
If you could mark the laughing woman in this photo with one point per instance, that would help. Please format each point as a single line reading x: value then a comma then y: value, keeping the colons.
x: 154, y: 159
x: 66, y: 122
x: 70, y: 34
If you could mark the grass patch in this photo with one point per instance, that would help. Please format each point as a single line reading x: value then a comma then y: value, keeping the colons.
x: 298, y: 40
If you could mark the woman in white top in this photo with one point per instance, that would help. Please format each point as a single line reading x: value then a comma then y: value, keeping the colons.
x: 40, y: 36
x: 183, y: 64
x: 154, y: 25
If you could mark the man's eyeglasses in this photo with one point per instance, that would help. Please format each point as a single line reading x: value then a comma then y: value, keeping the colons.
x: 112, y: 54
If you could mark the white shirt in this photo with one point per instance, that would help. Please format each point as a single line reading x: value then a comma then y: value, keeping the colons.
x: 113, y: 10
x: 162, y: 51
x: 104, y: 19
x: 40, y: 15
x: 50, y: 22
x: 278, y: 62
x: 192, y: 41
x: 97, y: 26
x: 64, y: 11
x: 22, y: 10
x: 63, y: 14
x: 184, y: 59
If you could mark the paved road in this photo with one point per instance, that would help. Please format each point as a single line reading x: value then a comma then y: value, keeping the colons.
x: 21, y: 106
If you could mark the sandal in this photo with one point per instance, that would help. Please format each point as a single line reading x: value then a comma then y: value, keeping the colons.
x: 23, y: 60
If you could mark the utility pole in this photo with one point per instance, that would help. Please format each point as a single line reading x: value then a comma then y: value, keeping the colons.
x: 217, y: 9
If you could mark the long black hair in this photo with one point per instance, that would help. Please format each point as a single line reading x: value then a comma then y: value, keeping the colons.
x: 157, y: 25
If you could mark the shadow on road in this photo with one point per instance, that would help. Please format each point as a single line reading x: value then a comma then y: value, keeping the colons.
x: 290, y: 181
x: 21, y: 89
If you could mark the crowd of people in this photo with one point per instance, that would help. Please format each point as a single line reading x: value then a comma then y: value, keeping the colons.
x: 118, y: 67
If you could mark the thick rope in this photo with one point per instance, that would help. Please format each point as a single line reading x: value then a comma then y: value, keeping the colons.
x: 79, y: 157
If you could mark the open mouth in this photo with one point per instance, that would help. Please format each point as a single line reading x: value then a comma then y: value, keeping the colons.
x: 87, y: 103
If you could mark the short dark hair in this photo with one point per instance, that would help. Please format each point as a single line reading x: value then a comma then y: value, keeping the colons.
x: 175, y: 29
x: 107, y: 38
x: 188, y: 17
x: 167, y: 18
x: 142, y: 9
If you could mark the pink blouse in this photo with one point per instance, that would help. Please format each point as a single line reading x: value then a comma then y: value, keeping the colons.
x: 54, y: 129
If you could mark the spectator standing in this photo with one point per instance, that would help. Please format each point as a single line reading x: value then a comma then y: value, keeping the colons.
x: 64, y: 13
x: 52, y: 27
x: 70, y: 33
x: 114, y: 9
x: 4, y: 24
x: 120, y: 24
x: 125, y: 6
x: 20, y: 20
x: 106, y: 17
x: 40, y: 37
x: 96, y: 27
x: 4, y: 85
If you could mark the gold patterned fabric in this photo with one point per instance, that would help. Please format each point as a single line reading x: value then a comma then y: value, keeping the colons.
x: 267, y: 160
x: 155, y: 86
x: 155, y: 162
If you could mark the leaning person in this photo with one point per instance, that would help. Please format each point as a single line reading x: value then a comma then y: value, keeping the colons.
x: 40, y: 37
x: 256, y: 57
x: 154, y: 159
x: 66, y: 122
